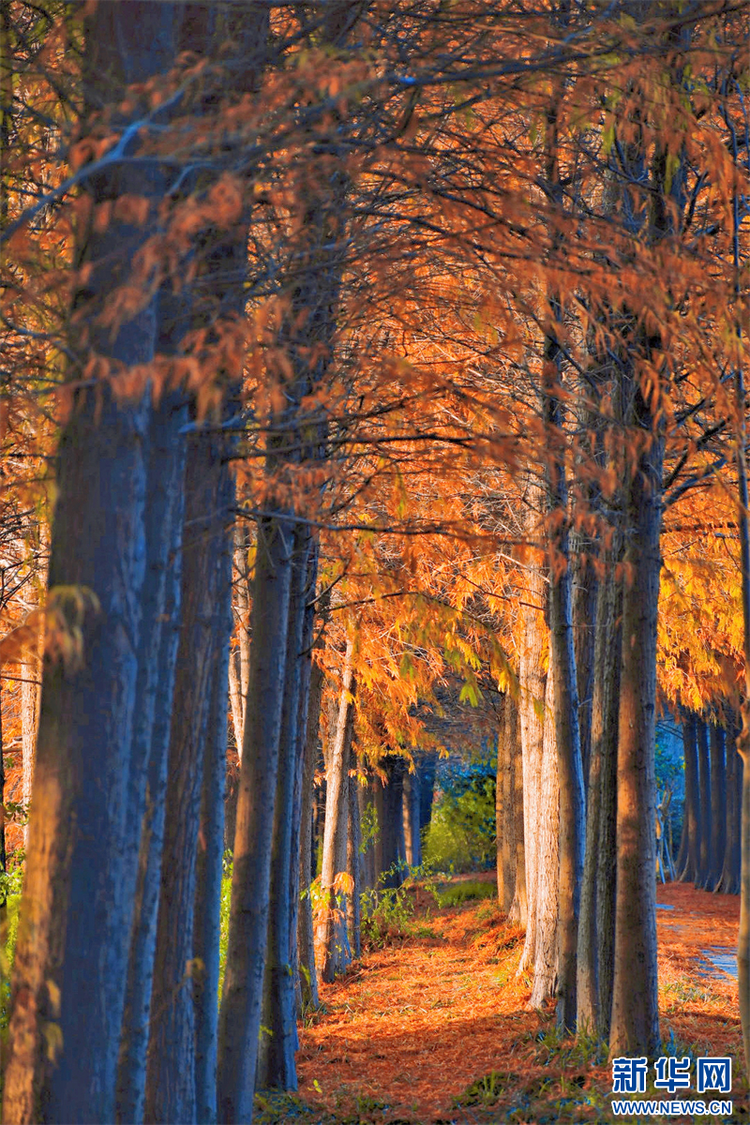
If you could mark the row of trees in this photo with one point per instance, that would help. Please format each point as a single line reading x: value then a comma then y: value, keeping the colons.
x: 440, y: 304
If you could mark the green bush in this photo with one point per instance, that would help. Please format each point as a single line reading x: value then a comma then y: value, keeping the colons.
x: 7, y: 953
x: 461, y: 836
x: 462, y: 892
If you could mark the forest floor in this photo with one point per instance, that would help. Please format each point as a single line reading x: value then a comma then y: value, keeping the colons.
x: 433, y: 1025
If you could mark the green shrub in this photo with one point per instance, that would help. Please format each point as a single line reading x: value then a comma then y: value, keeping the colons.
x: 7, y: 953
x: 461, y: 836
x: 462, y: 892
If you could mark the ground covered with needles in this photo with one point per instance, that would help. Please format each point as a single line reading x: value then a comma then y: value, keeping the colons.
x: 431, y: 1025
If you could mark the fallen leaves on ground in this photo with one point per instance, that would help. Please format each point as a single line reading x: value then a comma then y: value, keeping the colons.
x: 435, y: 1027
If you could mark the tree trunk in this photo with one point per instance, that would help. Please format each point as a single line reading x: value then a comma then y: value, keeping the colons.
x: 518, y: 909
x: 572, y: 802
x: 596, y: 924
x: 718, y: 804
x: 606, y: 872
x: 390, y: 849
x: 548, y: 873
x: 276, y: 1065
x: 585, y: 596
x: 354, y: 869
x: 170, y: 1080
x: 157, y: 666
x: 427, y: 770
x: 691, y: 821
x: 635, y: 1012
x: 531, y: 679
x: 730, y: 873
x: 705, y: 858
x: 70, y: 963
x: 367, y: 807
x: 30, y: 700
x: 331, y: 930
x: 240, y: 662
x: 239, y: 1016
x: 305, y: 929
x: 207, y: 924
x: 505, y: 850
x: 412, y: 827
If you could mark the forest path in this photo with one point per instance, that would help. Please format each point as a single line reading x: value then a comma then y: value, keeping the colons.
x: 404, y: 1035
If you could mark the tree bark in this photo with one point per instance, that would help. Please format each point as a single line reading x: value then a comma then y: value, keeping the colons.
x: 207, y: 924
x: 505, y: 851
x: 156, y: 672
x: 518, y: 909
x: 635, y: 1012
x: 705, y: 857
x: 730, y: 873
x: 585, y: 595
x: 305, y: 930
x: 170, y: 1079
x: 354, y: 868
x: 548, y: 873
x: 239, y: 669
x: 412, y: 827
x: 70, y: 964
x: 691, y: 822
x: 596, y: 924
x: 276, y: 1065
x: 239, y: 1016
x: 390, y: 848
x: 331, y: 930
x: 572, y: 802
x: 531, y: 717
x: 427, y: 770
x: 718, y: 804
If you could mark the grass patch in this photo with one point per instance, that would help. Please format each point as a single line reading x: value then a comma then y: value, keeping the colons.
x: 459, y: 893
x: 487, y: 1090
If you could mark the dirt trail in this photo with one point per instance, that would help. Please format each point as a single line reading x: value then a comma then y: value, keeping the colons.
x: 413, y: 1025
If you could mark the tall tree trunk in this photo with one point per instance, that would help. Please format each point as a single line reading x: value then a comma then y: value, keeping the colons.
x: 239, y: 1016
x: 239, y: 669
x: 30, y: 700
x: 354, y: 869
x: 635, y: 1012
x: 705, y: 859
x: 390, y: 848
x: 531, y: 712
x: 309, y: 712
x: 718, y: 804
x: 426, y: 769
x: 518, y: 909
x: 207, y: 924
x: 276, y: 1066
x: 691, y: 821
x: 412, y: 827
x: 743, y: 738
x: 156, y: 677
x: 585, y: 596
x: 730, y: 874
x: 170, y: 1080
x: 548, y: 873
x: 305, y: 930
x: 332, y: 926
x: 367, y: 808
x: 596, y: 925
x: 572, y: 803
x: 504, y: 826
x: 70, y: 964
